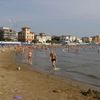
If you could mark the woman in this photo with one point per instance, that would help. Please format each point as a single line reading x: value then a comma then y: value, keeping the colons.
x: 30, y: 57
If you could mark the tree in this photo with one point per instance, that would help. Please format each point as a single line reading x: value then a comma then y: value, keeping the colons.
x: 35, y: 41
x: 48, y: 41
x: 55, y: 39
x: 8, y: 39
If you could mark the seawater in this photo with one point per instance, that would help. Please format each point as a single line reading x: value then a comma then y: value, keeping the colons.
x: 83, y: 66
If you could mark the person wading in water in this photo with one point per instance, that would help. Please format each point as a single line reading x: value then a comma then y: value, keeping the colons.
x: 53, y: 59
x: 30, y: 57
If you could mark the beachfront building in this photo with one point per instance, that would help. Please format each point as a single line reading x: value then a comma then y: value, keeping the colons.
x: 70, y: 38
x: 92, y: 39
x: 7, y: 34
x: 43, y: 38
x: 96, y: 39
x: 26, y: 35
x: 86, y: 39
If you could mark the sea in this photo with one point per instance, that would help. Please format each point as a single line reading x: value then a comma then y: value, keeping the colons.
x: 82, y: 65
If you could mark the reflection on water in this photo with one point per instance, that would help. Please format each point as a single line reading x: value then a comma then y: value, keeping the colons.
x: 83, y: 66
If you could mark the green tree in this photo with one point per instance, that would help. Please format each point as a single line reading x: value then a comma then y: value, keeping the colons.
x: 35, y: 41
x: 48, y: 41
x: 56, y: 39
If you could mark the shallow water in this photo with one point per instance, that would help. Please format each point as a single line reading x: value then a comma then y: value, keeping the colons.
x: 83, y: 66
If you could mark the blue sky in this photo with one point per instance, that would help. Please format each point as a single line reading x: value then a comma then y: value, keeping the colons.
x: 76, y: 17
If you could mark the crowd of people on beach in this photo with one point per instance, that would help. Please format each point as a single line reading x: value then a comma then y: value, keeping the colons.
x: 27, y: 54
x: 27, y: 51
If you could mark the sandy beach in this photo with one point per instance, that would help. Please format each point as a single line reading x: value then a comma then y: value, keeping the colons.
x: 28, y: 84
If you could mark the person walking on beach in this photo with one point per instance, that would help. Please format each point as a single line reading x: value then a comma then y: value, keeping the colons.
x: 53, y: 58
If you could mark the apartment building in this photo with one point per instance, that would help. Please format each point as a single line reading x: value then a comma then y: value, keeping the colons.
x: 42, y: 38
x: 26, y: 35
x: 7, y: 34
x: 96, y: 39
x: 69, y: 38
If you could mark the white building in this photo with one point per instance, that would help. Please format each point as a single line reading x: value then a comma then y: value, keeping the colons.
x: 69, y: 38
x: 42, y: 38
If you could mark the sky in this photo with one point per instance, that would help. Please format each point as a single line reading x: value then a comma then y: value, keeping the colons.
x: 74, y: 17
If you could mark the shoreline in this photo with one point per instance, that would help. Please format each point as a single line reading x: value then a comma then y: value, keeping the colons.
x: 30, y: 84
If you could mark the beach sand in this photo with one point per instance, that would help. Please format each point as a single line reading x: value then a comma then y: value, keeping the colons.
x: 28, y: 84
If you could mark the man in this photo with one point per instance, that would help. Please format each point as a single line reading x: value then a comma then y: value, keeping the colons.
x: 53, y: 59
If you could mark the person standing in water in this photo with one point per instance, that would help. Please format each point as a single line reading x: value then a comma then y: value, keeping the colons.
x: 30, y: 57
x: 53, y: 59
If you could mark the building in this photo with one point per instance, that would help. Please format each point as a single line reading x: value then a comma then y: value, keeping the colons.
x: 96, y: 39
x: 69, y: 38
x: 26, y: 35
x: 7, y: 34
x: 43, y: 38
x: 86, y: 39
x: 92, y: 39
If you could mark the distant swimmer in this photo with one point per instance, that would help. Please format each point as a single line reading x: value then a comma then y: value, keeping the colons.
x: 53, y: 59
x: 30, y: 57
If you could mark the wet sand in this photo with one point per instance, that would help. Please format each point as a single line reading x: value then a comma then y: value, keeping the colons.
x: 28, y: 84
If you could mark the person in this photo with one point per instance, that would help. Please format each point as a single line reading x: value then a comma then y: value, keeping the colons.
x: 18, y: 68
x: 53, y: 58
x: 30, y: 57
x: 98, y: 50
